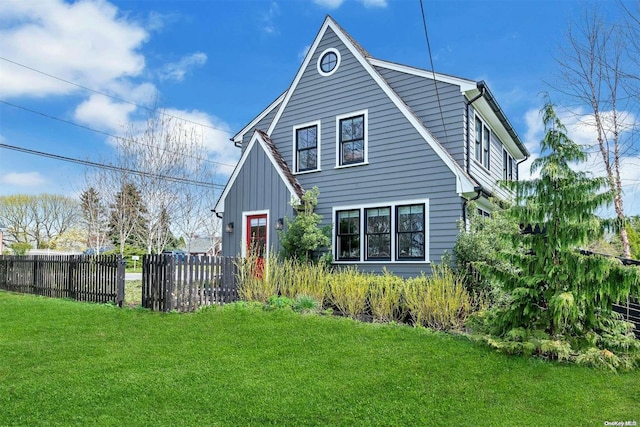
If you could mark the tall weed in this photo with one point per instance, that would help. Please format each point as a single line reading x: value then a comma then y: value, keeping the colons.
x: 439, y: 301
x: 349, y: 288
x: 253, y: 283
x: 385, y: 297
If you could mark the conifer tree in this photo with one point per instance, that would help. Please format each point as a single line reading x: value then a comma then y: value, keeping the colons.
x: 553, y: 287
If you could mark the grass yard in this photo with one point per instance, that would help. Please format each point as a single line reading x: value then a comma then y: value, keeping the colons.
x: 69, y: 363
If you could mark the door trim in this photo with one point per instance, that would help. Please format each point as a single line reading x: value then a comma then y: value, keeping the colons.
x: 243, y: 243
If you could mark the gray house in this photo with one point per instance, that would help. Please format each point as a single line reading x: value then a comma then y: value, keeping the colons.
x: 395, y: 160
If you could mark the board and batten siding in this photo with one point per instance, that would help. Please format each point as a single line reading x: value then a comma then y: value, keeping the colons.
x: 420, y: 95
x: 489, y: 179
x: 257, y: 187
x: 402, y: 166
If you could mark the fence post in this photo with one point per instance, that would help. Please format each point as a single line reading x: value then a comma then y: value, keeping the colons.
x: 120, y: 281
x: 169, y: 275
x: 73, y: 265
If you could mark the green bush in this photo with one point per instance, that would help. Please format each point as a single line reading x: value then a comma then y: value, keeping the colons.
x: 306, y: 304
x: 439, y: 301
x: 385, y: 297
x: 253, y: 283
x: 348, y: 289
x: 275, y: 302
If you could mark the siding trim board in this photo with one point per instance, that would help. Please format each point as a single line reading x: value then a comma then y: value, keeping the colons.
x: 464, y: 84
x: 464, y: 184
x: 259, y: 139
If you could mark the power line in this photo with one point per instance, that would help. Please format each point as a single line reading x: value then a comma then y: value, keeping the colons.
x: 111, y: 167
x: 152, y: 110
x: 435, y: 82
x: 49, y: 116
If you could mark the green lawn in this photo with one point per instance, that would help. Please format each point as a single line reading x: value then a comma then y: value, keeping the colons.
x: 69, y: 363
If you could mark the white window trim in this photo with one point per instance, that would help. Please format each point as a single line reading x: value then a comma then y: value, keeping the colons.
x: 383, y: 204
x: 481, y: 161
x: 324, y: 52
x: 510, y: 161
x: 243, y: 243
x: 364, y: 113
x: 295, y: 151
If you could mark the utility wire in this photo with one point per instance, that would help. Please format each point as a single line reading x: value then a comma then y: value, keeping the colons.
x: 111, y: 167
x: 152, y: 110
x: 49, y: 116
x: 435, y: 82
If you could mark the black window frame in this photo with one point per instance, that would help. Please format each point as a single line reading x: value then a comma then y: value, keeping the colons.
x: 411, y: 233
x: 299, y: 150
x: 377, y: 235
x: 507, y: 165
x: 349, y: 234
x: 343, y: 142
x: 334, y: 62
x: 483, y: 143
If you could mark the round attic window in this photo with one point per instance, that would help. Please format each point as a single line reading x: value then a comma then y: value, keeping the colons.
x: 328, y: 62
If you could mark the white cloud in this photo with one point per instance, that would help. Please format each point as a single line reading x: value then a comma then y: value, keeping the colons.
x: 104, y: 113
x: 303, y: 53
x: 177, y: 70
x: 334, y: 4
x: 86, y: 42
x: 329, y: 4
x: 28, y: 179
x: 268, y: 18
x: 374, y: 3
x: 581, y: 130
x: 214, y: 135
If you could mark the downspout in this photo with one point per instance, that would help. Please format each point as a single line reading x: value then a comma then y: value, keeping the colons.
x: 518, y: 165
x: 479, y: 188
x: 467, y: 104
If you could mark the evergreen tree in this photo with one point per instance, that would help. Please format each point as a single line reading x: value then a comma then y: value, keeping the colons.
x: 554, y: 289
x: 127, y: 218
x: 94, y: 217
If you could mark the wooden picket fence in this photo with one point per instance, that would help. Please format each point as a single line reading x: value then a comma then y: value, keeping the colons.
x: 187, y: 283
x: 80, y: 277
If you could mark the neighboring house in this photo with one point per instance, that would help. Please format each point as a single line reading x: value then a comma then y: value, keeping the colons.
x: 369, y: 134
x: 203, y: 246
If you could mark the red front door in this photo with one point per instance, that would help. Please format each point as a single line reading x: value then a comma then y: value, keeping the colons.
x: 257, y: 240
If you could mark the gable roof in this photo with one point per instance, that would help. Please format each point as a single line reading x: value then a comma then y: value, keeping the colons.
x: 237, y: 138
x: 464, y: 183
x: 261, y: 139
x: 470, y: 88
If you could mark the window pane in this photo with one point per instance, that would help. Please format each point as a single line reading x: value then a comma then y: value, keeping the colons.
x: 378, y: 220
x: 379, y: 246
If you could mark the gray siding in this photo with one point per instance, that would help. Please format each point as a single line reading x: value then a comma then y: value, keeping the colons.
x: 262, y: 125
x: 257, y: 187
x: 420, y: 95
x: 401, y: 166
x: 487, y: 178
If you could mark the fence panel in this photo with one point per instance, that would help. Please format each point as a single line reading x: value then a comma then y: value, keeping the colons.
x: 92, y: 278
x: 185, y: 284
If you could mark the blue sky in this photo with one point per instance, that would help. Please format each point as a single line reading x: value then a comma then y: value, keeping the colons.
x: 219, y: 63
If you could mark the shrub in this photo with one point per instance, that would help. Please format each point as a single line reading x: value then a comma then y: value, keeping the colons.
x: 275, y: 302
x: 439, y: 301
x: 385, y: 297
x: 306, y: 304
x: 349, y: 288
x: 253, y: 284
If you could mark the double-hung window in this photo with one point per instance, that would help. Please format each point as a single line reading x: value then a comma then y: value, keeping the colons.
x: 410, y: 231
x: 378, y: 231
x: 392, y: 232
x: 348, y: 238
x: 352, y: 139
x: 306, y: 139
x: 483, y: 143
x: 507, y: 166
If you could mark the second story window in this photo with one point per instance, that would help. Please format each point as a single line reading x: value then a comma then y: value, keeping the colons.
x: 306, y: 147
x: 483, y: 143
x: 352, y: 139
x: 507, y: 166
